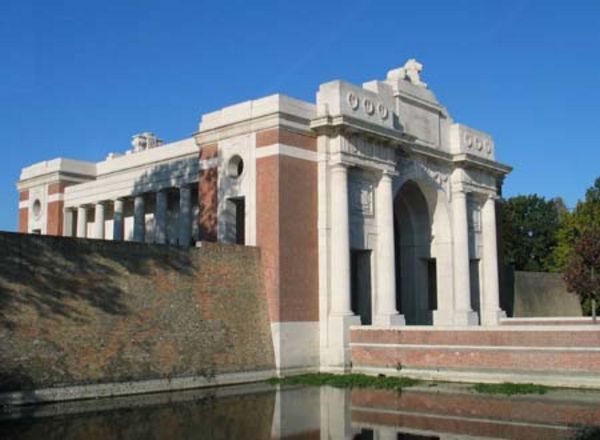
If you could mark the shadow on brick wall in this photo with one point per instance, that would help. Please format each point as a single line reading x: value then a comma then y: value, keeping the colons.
x: 48, y: 273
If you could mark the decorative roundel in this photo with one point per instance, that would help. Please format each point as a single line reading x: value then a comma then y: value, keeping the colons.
x: 383, y: 111
x: 468, y: 140
x: 369, y: 107
x: 235, y: 166
x: 36, y: 209
x: 352, y: 100
x: 479, y: 144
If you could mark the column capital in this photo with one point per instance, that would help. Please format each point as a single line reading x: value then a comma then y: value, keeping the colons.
x: 339, y: 166
x: 460, y: 192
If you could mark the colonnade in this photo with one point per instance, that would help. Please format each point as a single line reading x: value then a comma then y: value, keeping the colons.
x: 184, y: 219
x: 385, y: 307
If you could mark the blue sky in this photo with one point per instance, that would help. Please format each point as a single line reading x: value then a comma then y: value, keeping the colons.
x: 79, y: 77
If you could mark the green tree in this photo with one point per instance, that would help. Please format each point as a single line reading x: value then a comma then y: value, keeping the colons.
x: 582, y: 270
x: 585, y: 217
x: 530, y: 226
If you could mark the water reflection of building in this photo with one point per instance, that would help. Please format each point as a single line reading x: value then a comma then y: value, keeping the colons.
x: 258, y: 411
x: 425, y: 413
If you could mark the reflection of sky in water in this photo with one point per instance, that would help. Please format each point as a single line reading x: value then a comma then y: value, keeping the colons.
x: 257, y: 411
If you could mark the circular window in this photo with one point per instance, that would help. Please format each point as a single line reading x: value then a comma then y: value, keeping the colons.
x: 235, y: 167
x: 37, y: 208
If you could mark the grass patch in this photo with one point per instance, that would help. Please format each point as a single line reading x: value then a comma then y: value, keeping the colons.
x: 346, y: 381
x: 510, y: 389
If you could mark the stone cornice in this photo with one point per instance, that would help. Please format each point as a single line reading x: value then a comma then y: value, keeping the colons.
x: 331, y: 124
x: 238, y: 128
x: 467, y: 160
x: 53, y: 176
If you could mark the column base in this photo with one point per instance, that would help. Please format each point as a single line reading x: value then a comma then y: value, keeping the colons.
x: 492, y: 317
x: 389, y: 320
x: 339, y: 354
x: 442, y: 318
x: 465, y: 318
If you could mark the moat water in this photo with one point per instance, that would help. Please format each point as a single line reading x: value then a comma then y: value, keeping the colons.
x: 261, y: 411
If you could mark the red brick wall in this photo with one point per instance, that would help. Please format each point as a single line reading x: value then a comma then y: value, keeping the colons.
x: 511, y: 351
x: 286, y: 204
x: 23, y: 212
x: 208, y: 195
x: 78, y: 311
x: 55, y: 217
x: 282, y: 136
x: 23, y: 220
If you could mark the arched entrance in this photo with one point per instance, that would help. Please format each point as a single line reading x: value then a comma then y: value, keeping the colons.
x: 416, y: 290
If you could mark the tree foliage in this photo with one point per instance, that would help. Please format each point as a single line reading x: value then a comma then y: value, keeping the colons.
x: 578, y: 251
x: 530, y: 226
x: 585, y: 216
x: 582, y: 270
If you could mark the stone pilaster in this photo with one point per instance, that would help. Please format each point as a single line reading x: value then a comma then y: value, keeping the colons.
x: 340, y: 316
x: 160, y: 216
x: 99, y: 221
x: 491, y: 312
x: 82, y: 221
x: 118, y: 232
x: 185, y: 216
x: 68, y: 219
x: 385, y: 301
x: 139, y: 219
x: 463, y: 314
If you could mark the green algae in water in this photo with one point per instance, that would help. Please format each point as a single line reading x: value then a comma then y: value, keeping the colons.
x: 510, y: 389
x: 347, y: 381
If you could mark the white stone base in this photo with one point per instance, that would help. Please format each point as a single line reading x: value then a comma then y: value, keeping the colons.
x: 296, y: 346
x: 96, y: 391
x: 466, y: 318
x: 492, y: 317
x: 338, y: 350
x: 395, y: 320
x: 442, y: 318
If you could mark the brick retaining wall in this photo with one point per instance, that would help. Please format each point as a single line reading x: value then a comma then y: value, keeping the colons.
x: 90, y: 312
x: 552, y: 356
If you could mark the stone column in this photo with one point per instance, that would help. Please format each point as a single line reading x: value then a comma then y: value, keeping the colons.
x: 491, y: 312
x: 118, y: 226
x: 160, y: 216
x: 139, y: 219
x: 68, y: 222
x: 82, y: 222
x: 340, y: 315
x: 340, y: 242
x: 463, y: 314
x: 99, y: 221
x: 185, y: 216
x: 385, y: 301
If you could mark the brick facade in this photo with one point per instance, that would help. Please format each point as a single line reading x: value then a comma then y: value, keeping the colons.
x: 208, y: 193
x: 560, y: 352
x: 286, y: 206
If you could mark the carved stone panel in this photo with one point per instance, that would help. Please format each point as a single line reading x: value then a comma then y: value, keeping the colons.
x: 361, y: 197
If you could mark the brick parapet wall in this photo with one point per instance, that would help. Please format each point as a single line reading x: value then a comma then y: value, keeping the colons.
x: 77, y: 312
x: 443, y: 353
